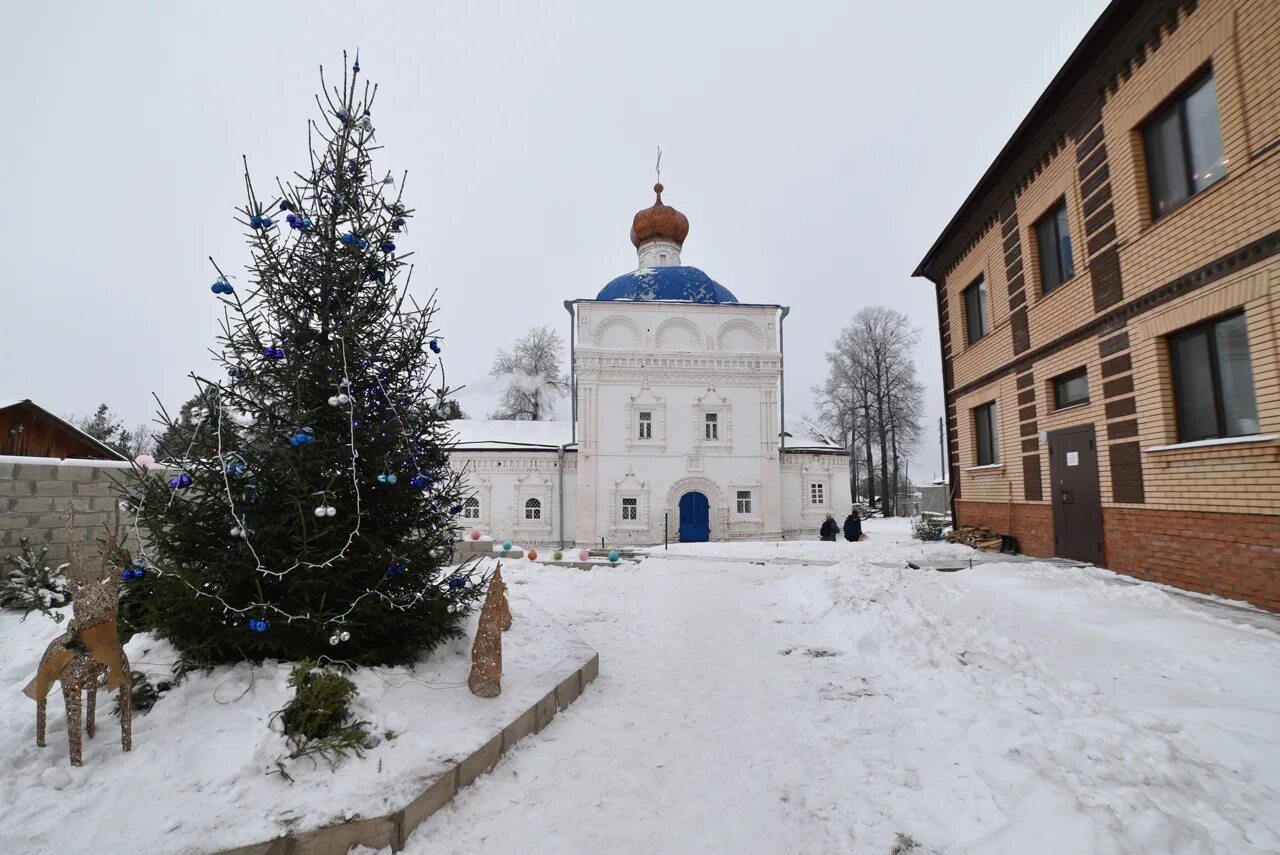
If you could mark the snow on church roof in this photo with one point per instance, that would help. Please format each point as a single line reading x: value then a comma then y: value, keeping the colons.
x: 490, y: 434
x: 802, y: 436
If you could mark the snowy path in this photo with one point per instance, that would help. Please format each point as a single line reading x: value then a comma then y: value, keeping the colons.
x: 796, y: 707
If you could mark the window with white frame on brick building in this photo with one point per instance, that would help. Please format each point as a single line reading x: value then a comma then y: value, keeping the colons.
x: 1213, y: 380
x: 984, y: 434
x: 644, y: 428
x: 817, y: 494
x: 711, y: 426
x: 631, y: 509
x: 977, y: 322
x: 532, y: 509
x: 744, y: 502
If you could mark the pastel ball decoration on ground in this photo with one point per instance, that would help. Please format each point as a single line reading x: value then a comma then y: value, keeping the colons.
x: 506, y: 546
x: 475, y: 534
x: 533, y: 555
x: 584, y: 555
x: 613, y: 556
x: 557, y: 555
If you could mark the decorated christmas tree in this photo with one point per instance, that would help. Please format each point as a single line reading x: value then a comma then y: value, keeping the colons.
x: 311, y: 513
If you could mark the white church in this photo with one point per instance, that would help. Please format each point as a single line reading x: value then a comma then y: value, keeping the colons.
x: 676, y: 430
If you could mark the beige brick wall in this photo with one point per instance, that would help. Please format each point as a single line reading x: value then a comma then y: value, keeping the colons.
x: 1240, y: 39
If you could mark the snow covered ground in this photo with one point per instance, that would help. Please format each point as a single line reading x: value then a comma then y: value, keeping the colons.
x: 198, y: 779
x: 815, y: 697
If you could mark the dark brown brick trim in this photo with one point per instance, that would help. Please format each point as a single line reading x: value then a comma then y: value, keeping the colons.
x: 1026, y: 380
x: 1121, y: 407
x: 1097, y: 200
x: 1118, y: 386
x: 1101, y: 239
x: 1113, y: 345
x: 1117, y: 365
x: 1122, y: 430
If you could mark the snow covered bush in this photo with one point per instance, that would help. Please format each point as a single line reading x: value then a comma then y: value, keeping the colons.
x: 28, y: 584
x: 926, y: 528
x: 318, y: 720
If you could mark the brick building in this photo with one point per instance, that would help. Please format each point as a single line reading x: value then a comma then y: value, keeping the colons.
x: 1109, y: 306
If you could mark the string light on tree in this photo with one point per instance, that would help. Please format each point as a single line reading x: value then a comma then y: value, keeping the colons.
x: 349, y: 321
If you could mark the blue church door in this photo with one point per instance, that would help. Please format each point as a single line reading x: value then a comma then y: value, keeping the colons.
x: 695, y: 518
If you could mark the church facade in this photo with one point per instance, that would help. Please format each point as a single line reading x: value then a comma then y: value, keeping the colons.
x: 677, y: 421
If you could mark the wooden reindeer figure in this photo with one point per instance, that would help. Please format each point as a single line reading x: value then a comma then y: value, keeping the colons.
x: 88, y: 651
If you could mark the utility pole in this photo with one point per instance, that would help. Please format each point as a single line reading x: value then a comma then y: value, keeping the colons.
x: 942, y: 456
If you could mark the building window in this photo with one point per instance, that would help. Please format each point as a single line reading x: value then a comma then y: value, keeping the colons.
x: 984, y: 431
x: 975, y: 310
x: 1053, y: 242
x: 532, y: 509
x: 646, y: 425
x: 630, y: 509
x: 1213, y: 380
x: 471, y: 509
x: 817, y: 494
x: 1071, y: 389
x: 712, y: 426
x: 744, y: 501
x: 1183, y: 144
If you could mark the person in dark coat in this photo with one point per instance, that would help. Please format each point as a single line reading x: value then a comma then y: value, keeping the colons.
x: 829, y: 529
x: 853, y: 526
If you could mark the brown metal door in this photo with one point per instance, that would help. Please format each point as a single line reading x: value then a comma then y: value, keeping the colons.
x: 1077, y: 501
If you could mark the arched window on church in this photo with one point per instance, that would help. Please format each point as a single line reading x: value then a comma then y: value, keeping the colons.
x: 471, y: 509
x: 662, y: 259
x: 532, y: 509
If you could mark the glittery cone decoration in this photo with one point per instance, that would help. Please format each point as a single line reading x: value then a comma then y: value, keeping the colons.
x: 499, y: 588
x: 486, y: 651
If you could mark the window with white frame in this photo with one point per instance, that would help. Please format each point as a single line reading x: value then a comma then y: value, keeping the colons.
x: 711, y: 427
x: 645, y: 425
x: 631, y: 509
x: 744, y: 502
x: 533, y: 509
x: 817, y: 494
x: 471, y: 509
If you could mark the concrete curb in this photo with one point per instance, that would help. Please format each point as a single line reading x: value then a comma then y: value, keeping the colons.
x: 394, y: 829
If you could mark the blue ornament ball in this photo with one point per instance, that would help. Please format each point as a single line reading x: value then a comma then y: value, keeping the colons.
x: 457, y: 582
x: 419, y: 482
x: 506, y: 546
x: 387, y: 246
x: 435, y: 345
x: 613, y: 556
x: 259, y: 624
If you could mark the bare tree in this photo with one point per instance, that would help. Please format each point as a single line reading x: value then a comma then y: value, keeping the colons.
x: 531, y: 375
x: 872, y: 395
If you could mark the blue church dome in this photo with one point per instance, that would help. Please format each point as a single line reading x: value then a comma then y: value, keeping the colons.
x: 688, y: 284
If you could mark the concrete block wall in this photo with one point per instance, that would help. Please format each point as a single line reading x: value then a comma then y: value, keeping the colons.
x: 35, y: 493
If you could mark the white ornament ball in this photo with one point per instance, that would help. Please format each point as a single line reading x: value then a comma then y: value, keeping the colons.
x: 330, y: 511
x: 333, y: 639
x: 333, y: 401
x: 320, y: 511
x: 235, y: 531
x: 344, y: 635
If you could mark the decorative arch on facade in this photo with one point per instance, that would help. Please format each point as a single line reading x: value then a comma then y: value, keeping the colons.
x: 618, y: 332
x: 679, y: 334
x: 719, y: 512
x: 740, y: 336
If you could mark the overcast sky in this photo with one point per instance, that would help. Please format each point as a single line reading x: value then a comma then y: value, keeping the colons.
x: 817, y: 149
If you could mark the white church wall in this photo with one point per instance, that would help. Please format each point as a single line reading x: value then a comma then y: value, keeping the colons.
x: 518, y: 496
x: 813, y: 485
x: 680, y: 363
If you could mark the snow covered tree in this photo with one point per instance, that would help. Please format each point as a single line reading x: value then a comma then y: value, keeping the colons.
x: 313, y: 511
x: 531, y: 376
